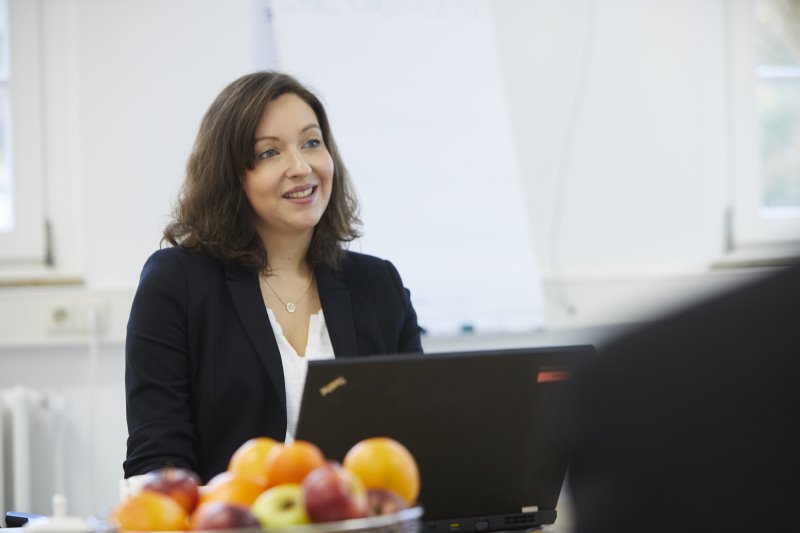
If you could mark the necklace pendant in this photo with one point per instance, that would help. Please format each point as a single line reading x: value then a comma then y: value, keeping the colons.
x: 290, y: 307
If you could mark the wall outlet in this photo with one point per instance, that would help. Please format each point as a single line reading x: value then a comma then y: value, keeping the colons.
x: 77, y: 318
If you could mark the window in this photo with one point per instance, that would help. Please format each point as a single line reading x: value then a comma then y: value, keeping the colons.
x: 6, y: 204
x: 22, y: 221
x: 765, y: 45
x: 778, y: 102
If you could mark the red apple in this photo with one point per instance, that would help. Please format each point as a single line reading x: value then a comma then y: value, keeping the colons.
x: 332, y: 493
x: 383, y: 501
x: 222, y: 515
x: 178, y: 483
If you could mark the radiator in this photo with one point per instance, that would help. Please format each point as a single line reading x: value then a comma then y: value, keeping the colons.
x: 31, y: 449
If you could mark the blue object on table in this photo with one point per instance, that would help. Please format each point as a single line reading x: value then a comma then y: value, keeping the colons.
x: 14, y: 519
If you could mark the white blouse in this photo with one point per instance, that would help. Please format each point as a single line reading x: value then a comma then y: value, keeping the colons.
x: 318, y: 346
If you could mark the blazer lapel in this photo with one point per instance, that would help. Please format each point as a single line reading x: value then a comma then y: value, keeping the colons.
x: 247, y: 300
x: 337, y: 307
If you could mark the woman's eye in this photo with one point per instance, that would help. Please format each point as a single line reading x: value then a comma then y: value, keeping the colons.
x: 266, y: 154
x: 313, y: 143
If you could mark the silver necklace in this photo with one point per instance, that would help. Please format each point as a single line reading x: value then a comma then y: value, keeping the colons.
x: 290, y: 307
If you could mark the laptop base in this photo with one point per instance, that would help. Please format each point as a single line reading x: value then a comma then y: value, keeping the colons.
x: 504, y: 522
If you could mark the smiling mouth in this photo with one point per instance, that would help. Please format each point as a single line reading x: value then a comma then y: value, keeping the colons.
x: 301, y: 194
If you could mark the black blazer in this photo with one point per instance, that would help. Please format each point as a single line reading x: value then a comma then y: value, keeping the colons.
x: 202, y: 368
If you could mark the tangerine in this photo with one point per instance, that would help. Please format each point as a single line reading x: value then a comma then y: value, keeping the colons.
x: 250, y: 459
x: 289, y: 463
x: 149, y: 511
x: 384, y: 463
x: 231, y: 488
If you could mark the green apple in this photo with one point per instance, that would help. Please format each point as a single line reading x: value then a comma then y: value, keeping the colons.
x: 281, y: 506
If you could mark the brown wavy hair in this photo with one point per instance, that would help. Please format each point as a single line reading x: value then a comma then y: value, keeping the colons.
x: 213, y: 214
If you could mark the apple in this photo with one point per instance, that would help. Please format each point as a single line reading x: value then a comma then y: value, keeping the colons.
x: 222, y: 515
x: 281, y: 506
x: 180, y: 484
x: 332, y: 493
x: 384, y: 501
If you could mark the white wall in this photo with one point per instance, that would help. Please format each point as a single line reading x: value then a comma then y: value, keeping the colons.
x: 128, y: 80
x: 148, y: 71
x: 644, y: 184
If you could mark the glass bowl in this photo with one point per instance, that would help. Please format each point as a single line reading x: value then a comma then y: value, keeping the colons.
x: 405, y: 521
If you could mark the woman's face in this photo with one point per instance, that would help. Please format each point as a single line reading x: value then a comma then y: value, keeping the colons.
x: 290, y: 185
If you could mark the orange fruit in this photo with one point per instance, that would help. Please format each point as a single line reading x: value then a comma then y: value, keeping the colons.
x: 231, y: 488
x: 289, y: 463
x: 250, y: 459
x: 149, y: 511
x: 384, y: 463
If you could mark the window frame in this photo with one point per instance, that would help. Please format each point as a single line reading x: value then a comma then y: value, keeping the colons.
x: 751, y: 224
x: 27, y: 242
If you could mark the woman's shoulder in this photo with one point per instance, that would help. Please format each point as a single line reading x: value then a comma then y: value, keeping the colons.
x: 177, y: 259
x: 357, y: 266
x: 179, y: 254
x: 357, y: 260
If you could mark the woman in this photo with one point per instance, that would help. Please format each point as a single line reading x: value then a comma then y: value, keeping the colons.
x: 256, y: 282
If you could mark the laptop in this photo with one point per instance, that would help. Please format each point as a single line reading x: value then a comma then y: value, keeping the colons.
x: 485, y: 427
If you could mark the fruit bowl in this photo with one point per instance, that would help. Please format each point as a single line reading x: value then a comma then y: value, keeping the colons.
x: 273, y: 487
x: 405, y: 521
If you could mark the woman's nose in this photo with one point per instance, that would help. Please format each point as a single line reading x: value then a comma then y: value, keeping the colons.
x: 297, y: 164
